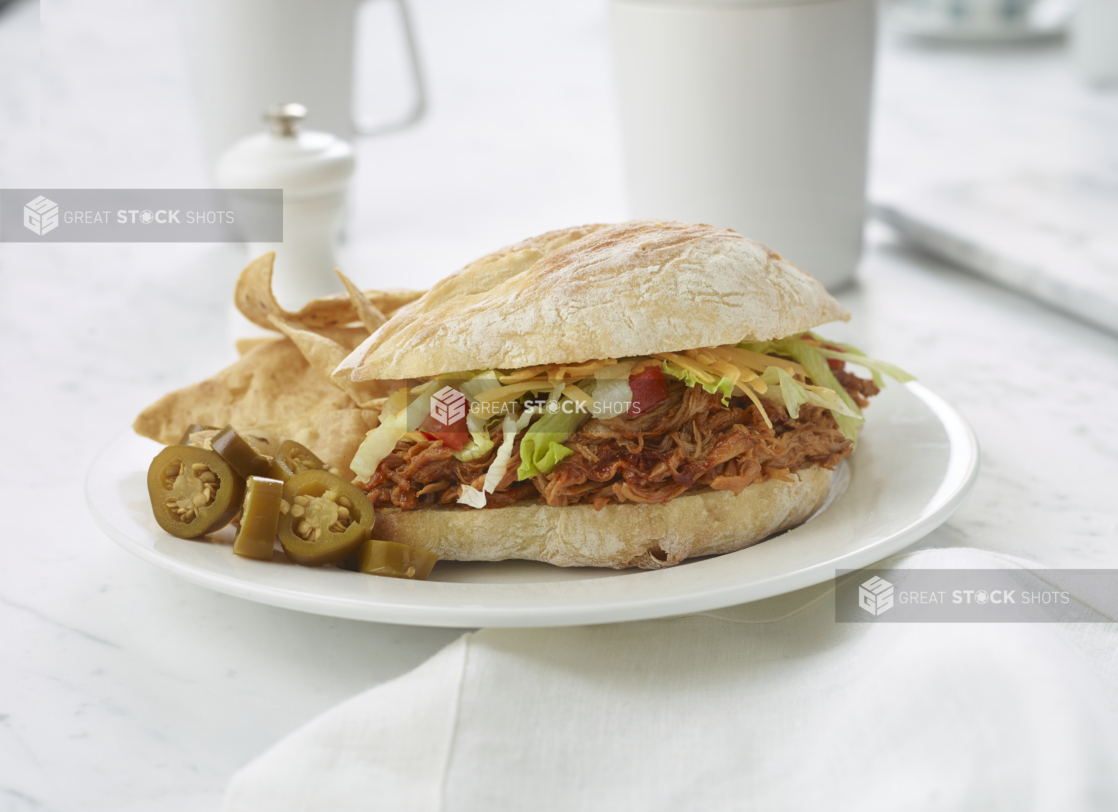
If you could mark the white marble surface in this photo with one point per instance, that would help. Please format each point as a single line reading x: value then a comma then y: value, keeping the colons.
x: 1052, y: 238
x: 122, y: 688
x: 1035, y: 209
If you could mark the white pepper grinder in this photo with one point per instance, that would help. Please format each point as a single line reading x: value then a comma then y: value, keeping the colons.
x: 314, y: 170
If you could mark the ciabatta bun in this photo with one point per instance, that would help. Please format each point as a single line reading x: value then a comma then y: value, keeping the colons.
x: 599, y: 291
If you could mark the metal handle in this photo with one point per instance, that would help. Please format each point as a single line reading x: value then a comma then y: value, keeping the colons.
x: 419, y: 106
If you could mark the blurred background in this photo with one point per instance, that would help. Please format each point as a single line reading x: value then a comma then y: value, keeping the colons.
x: 528, y: 127
x: 520, y: 137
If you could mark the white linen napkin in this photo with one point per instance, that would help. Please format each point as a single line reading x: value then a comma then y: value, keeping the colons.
x: 770, y: 705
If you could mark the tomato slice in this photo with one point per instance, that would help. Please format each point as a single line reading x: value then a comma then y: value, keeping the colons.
x: 649, y: 388
x: 455, y: 436
x: 834, y: 363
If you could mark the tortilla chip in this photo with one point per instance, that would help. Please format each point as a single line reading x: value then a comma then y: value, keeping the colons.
x: 323, y: 354
x: 370, y: 316
x: 245, y: 344
x: 270, y: 383
x: 253, y: 297
x: 281, y: 388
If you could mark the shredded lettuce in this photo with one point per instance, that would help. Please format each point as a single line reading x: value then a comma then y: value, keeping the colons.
x: 482, y: 382
x: 541, y: 449
x: 471, y: 496
x: 611, y: 391
x: 796, y: 394
x: 394, y: 421
x: 852, y: 355
x: 378, y: 444
x: 541, y: 458
x: 793, y: 393
x: 394, y: 404
x: 724, y: 385
x: 815, y: 365
x: 479, y: 443
x: 500, y: 465
x: 419, y: 409
x: 814, y: 361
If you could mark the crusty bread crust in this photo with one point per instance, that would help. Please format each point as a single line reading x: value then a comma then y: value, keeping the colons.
x: 624, y: 535
x: 597, y: 292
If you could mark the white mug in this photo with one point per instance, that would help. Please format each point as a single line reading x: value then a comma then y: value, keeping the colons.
x: 246, y: 55
x: 752, y: 116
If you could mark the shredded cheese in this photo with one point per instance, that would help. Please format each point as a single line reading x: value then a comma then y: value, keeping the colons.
x: 579, y: 371
x: 641, y: 366
x: 558, y: 372
x: 758, y: 362
x: 502, y: 394
x: 576, y: 394
x: 747, y: 390
x: 524, y: 374
x: 715, y: 366
x: 732, y: 372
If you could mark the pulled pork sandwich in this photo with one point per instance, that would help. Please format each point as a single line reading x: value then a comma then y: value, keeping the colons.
x: 612, y: 395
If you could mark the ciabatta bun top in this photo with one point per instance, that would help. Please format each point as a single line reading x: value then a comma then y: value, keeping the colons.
x: 598, y: 291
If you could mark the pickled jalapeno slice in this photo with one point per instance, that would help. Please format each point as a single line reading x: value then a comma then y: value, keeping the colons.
x: 327, y: 520
x: 235, y: 450
x: 192, y: 429
x: 256, y: 537
x: 395, y: 560
x: 294, y: 458
x: 276, y: 472
x: 193, y: 491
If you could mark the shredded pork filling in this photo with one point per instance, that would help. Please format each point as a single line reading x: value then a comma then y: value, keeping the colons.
x: 688, y: 441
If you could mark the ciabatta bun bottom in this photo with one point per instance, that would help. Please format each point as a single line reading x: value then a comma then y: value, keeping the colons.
x: 619, y: 535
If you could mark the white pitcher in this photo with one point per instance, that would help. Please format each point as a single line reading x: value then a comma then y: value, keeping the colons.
x: 247, y: 55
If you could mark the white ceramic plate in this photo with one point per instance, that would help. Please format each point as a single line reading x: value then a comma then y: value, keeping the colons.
x: 916, y: 463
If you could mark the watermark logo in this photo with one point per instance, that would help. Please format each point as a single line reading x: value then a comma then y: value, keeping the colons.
x: 141, y: 215
x: 451, y: 403
x: 981, y: 595
x: 876, y: 595
x: 448, y: 405
x: 40, y: 216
